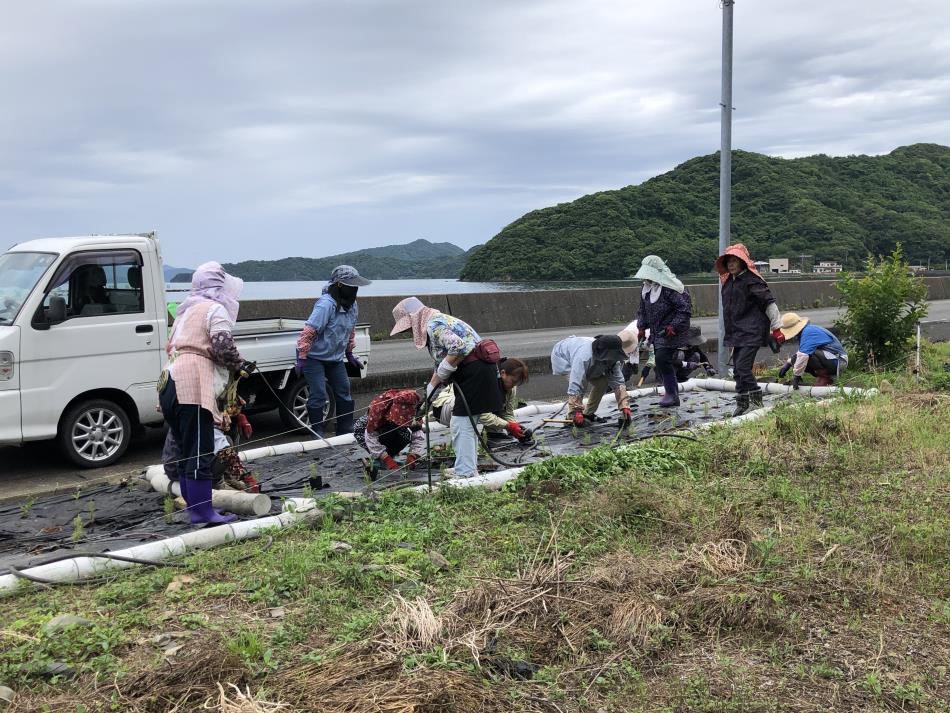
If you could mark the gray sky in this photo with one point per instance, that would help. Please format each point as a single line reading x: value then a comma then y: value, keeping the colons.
x: 264, y: 129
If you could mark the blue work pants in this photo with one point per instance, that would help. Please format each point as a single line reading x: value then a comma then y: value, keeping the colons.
x: 318, y: 374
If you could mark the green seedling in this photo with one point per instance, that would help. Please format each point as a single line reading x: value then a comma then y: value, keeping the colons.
x: 77, y: 529
x: 168, y: 505
x: 26, y: 507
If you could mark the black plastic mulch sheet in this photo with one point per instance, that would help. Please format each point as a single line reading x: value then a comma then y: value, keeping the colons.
x: 118, y: 516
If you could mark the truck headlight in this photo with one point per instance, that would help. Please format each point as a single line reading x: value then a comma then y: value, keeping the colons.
x: 6, y: 366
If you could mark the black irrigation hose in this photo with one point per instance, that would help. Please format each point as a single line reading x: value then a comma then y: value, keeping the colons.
x: 480, y: 436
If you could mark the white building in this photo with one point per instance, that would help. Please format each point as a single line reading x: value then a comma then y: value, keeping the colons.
x: 778, y: 264
x: 827, y: 267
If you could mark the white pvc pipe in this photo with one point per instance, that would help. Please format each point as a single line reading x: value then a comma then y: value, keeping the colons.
x: 79, y: 568
x: 235, y: 501
x: 774, y: 388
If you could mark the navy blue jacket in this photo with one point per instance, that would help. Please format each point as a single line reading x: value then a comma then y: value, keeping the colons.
x: 672, y: 309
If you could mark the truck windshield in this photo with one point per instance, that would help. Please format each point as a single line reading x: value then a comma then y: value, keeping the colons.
x: 19, y: 273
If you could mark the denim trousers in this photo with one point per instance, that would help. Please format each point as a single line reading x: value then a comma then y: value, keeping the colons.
x: 465, y: 444
x: 318, y: 374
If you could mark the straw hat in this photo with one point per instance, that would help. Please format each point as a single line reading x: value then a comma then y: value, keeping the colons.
x: 628, y: 340
x: 792, y: 324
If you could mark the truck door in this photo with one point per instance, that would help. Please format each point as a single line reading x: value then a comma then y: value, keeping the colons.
x: 9, y: 384
x: 108, y: 339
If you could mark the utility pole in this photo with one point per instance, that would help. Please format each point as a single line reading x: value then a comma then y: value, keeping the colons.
x: 802, y: 258
x: 725, y: 164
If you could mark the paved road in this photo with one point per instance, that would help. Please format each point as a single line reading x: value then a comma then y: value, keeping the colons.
x: 38, y: 467
x: 399, y: 355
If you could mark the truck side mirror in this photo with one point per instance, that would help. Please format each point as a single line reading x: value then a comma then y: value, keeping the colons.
x: 57, y: 310
x: 54, y: 314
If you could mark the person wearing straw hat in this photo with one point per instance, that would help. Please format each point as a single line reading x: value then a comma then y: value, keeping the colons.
x: 463, y: 359
x: 635, y: 348
x: 751, y: 318
x: 665, y: 309
x: 820, y: 353
x: 327, y: 339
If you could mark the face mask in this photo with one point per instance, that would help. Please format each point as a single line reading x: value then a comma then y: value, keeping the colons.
x: 344, y: 295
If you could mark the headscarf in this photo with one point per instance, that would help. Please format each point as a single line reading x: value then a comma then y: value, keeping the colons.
x: 740, y: 251
x: 397, y: 406
x: 210, y: 282
x: 410, y: 312
x: 655, y: 270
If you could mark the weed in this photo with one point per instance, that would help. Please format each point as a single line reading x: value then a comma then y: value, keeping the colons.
x: 78, y: 529
x: 27, y: 506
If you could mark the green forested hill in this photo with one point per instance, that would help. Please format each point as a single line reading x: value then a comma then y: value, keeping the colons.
x: 831, y: 208
x: 418, y: 259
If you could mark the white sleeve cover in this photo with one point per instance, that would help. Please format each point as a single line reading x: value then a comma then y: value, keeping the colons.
x: 775, y: 317
x: 445, y: 370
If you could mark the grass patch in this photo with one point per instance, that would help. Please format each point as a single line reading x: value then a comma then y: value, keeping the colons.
x: 797, y: 563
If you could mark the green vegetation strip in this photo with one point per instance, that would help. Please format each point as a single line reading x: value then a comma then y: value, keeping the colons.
x: 796, y: 563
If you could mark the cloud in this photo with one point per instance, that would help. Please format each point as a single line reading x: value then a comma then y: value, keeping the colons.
x: 372, y: 121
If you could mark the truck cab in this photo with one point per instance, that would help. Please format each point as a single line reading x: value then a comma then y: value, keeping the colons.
x: 83, y: 329
x: 82, y: 336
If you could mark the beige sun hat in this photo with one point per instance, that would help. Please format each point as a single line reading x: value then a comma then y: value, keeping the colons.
x: 792, y: 324
x: 628, y: 340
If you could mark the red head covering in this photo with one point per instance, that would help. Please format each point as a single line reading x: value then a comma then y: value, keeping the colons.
x: 741, y: 252
x: 397, y: 406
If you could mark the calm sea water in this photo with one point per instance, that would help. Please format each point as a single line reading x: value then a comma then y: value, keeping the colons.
x: 404, y: 288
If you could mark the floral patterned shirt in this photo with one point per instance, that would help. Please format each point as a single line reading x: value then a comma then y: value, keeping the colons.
x: 449, y: 335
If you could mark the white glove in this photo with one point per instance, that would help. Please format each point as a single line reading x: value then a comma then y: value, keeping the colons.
x: 430, y: 387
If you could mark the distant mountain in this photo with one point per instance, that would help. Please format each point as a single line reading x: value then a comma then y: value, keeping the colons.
x: 829, y: 208
x: 171, y: 272
x: 418, y: 259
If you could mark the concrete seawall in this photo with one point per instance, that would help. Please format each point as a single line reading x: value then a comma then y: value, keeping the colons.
x: 508, y: 311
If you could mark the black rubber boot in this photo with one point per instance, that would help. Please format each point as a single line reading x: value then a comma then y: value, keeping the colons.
x: 344, y: 417
x: 742, y: 404
x: 755, y: 397
x: 316, y: 421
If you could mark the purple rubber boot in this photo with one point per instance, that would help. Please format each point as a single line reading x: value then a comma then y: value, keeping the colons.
x: 671, y: 394
x: 199, y: 504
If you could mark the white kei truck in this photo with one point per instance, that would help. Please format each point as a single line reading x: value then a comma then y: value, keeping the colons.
x: 83, y: 327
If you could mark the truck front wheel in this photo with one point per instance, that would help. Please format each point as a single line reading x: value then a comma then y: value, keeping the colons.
x: 295, y: 401
x: 94, y: 433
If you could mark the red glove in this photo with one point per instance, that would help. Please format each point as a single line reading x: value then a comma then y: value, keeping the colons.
x: 579, y: 418
x: 411, y: 461
x: 778, y: 336
x: 669, y: 331
x: 244, y: 426
x: 389, y: 462
x: 515, y: 430
x: 641, y: 334
x: 250, y: 484
x: 627, y: 417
